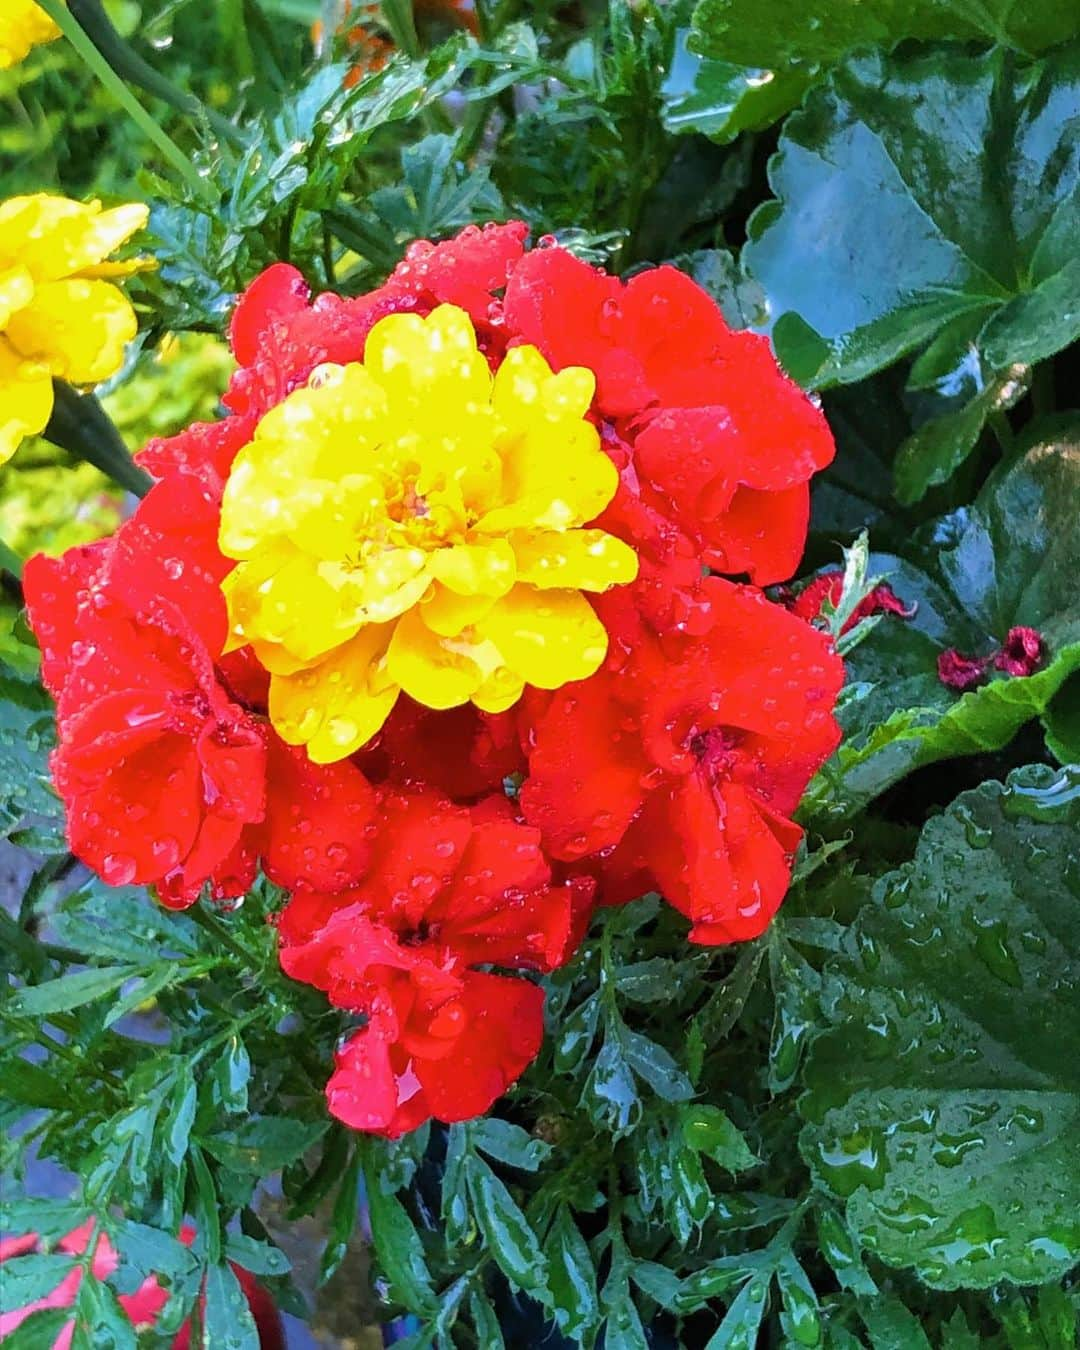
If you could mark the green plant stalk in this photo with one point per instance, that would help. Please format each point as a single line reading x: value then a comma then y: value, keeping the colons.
x: 77, y: 36
x: 399, y: 19
x: 127, y: 63
x: 81, y: 425
x: 10, y: 561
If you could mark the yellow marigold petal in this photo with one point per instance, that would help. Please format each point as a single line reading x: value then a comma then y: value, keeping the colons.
x: 338, y: 705
x: 54, y: 237
x: 78, y: 328
x: 438, y: 672
x: 548, y: 638
x: 26, y: 399
x: 499, y: 692
x: 16, y: 291
x: 555, y: 475
x: 24, y: 25
x: 585, y: 560
x: 447, y: 613
x: 280, y: 598
x: 475, y: 569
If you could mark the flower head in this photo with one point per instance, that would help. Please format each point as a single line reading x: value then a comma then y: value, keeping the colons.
x: 59, y: 315
x: 25, y: 25
x: 414, y: 522
x: 449, y: 890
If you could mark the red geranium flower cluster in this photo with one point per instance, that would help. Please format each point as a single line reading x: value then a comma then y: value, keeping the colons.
x: 459, y: 838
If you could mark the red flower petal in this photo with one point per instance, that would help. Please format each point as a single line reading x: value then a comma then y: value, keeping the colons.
x: 318, y: 827
x: 503, y: 1027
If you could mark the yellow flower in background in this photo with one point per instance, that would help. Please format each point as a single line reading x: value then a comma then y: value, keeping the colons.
x: 416, y: 523
x: 22, y: 25
x: 59, y: 316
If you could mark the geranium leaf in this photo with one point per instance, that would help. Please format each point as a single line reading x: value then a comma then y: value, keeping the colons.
x: 943, y: 1102
x: 820, y: 33
x: 720, y: 98
x: 922, y: 199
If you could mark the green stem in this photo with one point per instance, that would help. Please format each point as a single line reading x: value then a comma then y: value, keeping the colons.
x: 127, y: 63
x: 10, y: 561
x: 77, y: 36
x: 217, y: 930
x: 399, y: 19
x: 80, y: 424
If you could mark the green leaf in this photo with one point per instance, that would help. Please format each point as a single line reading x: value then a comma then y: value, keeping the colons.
x: 227, y: 1317
x: 32, y: 1085
x: 801, y: 1315
x: 71, y: 991
x: 742, y: 1321
x: 936, y: 450
x: 610, y: 1091
x: 27, y: 734
x: 258, y: 1257
x: 1062, y: 723
x: 508, y: 1143
x: 840, y: 1250
x: 934, y: 197
x: 572, y: 1277
x: 342, y: 1218
x: 264, y: 1145
x: 40, y: 1330
x: 945, y: 1100
x: 510, y: 1239
x: 709, y: 1130
x: 1012, y: 559
x: 891, y: 1326
x: 793, y: 32
x: 28, y: 1278
x: 655, y: 1066
x: 398, y: 1247
x: 721, y: 98
x: 486, y: 1321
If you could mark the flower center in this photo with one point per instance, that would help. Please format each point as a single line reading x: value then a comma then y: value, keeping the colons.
x: 416, y: 523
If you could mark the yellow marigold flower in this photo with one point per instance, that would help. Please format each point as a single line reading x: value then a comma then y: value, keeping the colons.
x: 59, y: 317
x: 415, y: 523
x: 24, y: 25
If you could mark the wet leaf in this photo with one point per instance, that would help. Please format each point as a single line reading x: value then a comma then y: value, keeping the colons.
x: 820, y: 33
x: 944, y: 1101
x: 28, y: 1278
x: 398, y: 1247
x: 264, y: 1145
x: 742, y: 1321
x: 508, y: 1144
x: 228, y: 1321
x: 927, y: 199
x: 509, y: 1236
x: 720, y: 98
x: 71, y: 991
x: 572, y: 1276
x: 709, y: 1130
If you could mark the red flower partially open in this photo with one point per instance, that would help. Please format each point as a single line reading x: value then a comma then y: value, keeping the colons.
x: 449, y: 890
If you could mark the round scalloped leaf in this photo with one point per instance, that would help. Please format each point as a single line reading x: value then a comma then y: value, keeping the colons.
x: 943, y: 1104
x: 931, y: 199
